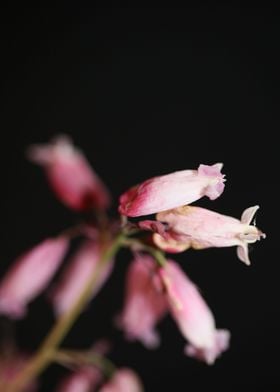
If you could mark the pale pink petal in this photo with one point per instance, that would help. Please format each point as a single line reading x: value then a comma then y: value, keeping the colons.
x: 124, y: 380
x: 243, y: 254
x: 172, y: 190
x: 30, y: 275
x: 70, y: 175
x: 171, y: 245
x: 84, y: 380
x: 144, y: 304
x: 209, y: 355
x: 215, y: 188
x: 249, y: 214
x: 84, y: 262
x: 191, y: 313
x: 199, y: 228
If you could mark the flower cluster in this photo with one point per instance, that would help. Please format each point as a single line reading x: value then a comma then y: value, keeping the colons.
x: 155, y: 285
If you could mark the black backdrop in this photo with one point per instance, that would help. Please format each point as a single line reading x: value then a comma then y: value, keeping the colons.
x: 145, y: 91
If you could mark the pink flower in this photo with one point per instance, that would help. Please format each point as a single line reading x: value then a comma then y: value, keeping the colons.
x: 172, y: 190
x: 70, y: 175
x: 30, y: 275
x: 124, y: 380
x: 192, y: 315
x: 84, y: 262
x: 144, y: 304
x: 84, y: 380
x: 10, y: 366
x: 199, y: 228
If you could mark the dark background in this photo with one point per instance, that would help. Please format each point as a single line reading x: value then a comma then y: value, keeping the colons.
x: 145, y: 91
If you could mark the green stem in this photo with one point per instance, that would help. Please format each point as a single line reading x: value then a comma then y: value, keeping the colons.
x: 48, y: 348
x: 138, y: 245
x: 80, y: 358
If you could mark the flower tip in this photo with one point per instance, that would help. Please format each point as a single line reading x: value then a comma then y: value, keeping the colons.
x: 211, y: 170
x: 242, y: 254
x: 219, y: 166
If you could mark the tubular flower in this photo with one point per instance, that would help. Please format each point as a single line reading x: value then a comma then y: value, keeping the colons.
x: 30, y: 275
x: 124, y: 380
x: 200, y: 228
x: 144, y: 303
x: 172, y: 190
x: 192, y: 315
x: 84, y: 262
x: 70, y: 175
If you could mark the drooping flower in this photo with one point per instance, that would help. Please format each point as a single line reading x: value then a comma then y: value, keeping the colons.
x: 70, y: 175
x: 83, y: 263
x: 30, y: 275
x: 172, y: 190
x: 124, y: 380
x: 144, y: 304
x: 196, y: 227
x: 192, y: 315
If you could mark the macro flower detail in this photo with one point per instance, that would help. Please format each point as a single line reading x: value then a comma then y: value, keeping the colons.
x: 124, y: 380
x: 172, y: 190
x: 83, y: 263
x: 199, y: 228
x: 144, y: 303
x: 69, y: 174
x: 30, y: 275
x: 192, y: 315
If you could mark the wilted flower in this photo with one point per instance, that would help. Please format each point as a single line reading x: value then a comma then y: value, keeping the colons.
x: 200, y: 228
x: 84, y: 262
x: 172, y: 190
x: 144, y: 304
x: 192, y: 315
x: 70, y: 175
x: 30, y: 275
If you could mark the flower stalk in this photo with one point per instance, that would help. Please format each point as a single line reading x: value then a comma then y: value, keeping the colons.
x: 47, y: 351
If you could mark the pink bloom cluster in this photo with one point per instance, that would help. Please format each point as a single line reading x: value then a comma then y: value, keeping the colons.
x: 178, y: 227
x: 153, y: 289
